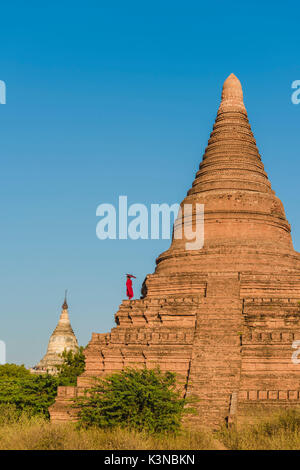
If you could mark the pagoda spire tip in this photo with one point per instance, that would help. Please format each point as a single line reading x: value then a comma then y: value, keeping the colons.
x: 65, y: 305
x: 232, y: 89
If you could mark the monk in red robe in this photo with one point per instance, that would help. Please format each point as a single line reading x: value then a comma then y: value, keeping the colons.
x: 129, y: 290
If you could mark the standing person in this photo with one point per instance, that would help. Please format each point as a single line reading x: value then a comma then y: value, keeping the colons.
x: 129, y: 290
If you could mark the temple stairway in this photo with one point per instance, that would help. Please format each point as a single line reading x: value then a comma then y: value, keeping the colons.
x: 216, y: 358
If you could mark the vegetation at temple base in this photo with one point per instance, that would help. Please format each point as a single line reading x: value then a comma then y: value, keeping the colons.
x: 134, y: 409
x: 36, y: 433
x: 72, y: 367
x: 23, y: 432
x: 278, y: 431
x: 144, y: 400
x: 21, y: 391
x: 25, y: 392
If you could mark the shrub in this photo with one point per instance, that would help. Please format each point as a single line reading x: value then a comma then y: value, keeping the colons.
x: 72, y: 367
x: 32, y: 394
x: 21, y: 391
x: 137, y: 399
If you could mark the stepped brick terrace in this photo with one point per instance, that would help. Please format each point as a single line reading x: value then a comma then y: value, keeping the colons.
x: 224, y: 317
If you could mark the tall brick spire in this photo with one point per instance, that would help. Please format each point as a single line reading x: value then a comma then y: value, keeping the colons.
x: 242, y: 214
x: 231, y: 160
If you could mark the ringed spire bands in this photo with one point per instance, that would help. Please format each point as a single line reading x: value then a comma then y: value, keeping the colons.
x: 242, y: 214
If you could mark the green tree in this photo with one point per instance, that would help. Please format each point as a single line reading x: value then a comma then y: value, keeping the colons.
x: 32, y: 394
x: 72, y: 367
x: 13, y: 370
x: 140, y: 399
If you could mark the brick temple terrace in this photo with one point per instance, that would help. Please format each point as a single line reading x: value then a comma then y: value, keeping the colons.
x: 224, y: 318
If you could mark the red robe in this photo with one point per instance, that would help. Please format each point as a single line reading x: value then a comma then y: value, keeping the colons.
x: 129, y: 290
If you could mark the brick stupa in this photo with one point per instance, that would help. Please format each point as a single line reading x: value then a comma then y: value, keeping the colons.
x: 224, y: 318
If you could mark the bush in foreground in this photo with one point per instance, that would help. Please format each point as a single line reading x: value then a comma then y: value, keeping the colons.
x: 144, y: 400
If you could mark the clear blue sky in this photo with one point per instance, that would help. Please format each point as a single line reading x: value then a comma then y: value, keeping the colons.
x: 118, y: 98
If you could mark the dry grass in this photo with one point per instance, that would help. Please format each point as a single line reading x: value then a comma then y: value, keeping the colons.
x: 280, y: 432
x: 39, y: 434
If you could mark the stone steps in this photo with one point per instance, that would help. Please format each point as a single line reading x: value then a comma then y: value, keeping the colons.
x: 216, y: 357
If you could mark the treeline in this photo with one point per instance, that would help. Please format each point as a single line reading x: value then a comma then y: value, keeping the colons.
x: 144, y: 400
x: 33, y: 393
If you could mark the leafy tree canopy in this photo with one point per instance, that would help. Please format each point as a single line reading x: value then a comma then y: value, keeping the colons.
x: 72, y: 367
x: 33, y: 394
x: 140, y: 399
x: 13, y: 370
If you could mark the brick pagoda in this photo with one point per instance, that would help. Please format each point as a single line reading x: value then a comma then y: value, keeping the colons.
x: 224, y: 318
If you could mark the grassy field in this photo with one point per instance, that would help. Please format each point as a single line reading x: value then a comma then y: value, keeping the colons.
x: 38, y: 434
x: 279, y: 432
x: 27, y: 433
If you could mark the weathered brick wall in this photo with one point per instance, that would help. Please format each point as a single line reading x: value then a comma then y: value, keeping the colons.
x: 222, y: 317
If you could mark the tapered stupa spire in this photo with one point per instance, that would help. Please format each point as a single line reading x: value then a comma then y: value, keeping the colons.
x: 242, y: 215
x: 232, y: 93
x: 62, y: 338
x: 231, y: 160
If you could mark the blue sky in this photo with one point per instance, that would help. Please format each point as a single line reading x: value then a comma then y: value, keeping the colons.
x: 119, y: 98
